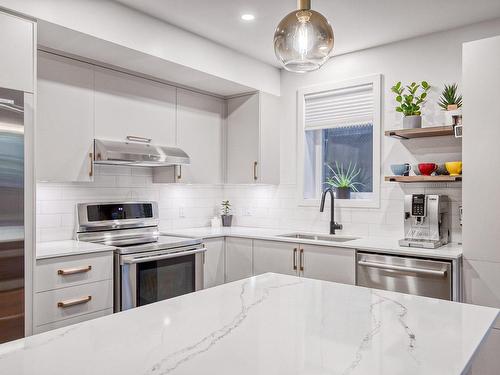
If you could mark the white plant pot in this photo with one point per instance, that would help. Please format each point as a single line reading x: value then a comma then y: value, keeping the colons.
x: 412, y: 122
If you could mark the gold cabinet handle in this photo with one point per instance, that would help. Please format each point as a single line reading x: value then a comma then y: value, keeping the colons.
x: 301, y: 259
x: 74, y: 302
x: 179, y: 175
x: 91, y: 157
x: 295, y: 259
x: 255, y: 171
x: 73, y: 271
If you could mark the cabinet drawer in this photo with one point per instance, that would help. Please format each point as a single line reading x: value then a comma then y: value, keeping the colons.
x: 72, y: 270
x: 60, y: 304
x: 70, y: 321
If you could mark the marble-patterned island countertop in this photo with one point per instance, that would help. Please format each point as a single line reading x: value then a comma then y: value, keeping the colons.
x: 374, y: 244
x: 265, y: 325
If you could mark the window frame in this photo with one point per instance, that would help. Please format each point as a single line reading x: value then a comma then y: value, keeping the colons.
x: 376, y: 81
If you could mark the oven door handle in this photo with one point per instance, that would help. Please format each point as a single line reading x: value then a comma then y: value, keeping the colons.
x: 392, y: 267
x: 143, y: 259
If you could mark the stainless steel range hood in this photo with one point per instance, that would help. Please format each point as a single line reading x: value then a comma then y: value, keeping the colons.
x: 138, y: 153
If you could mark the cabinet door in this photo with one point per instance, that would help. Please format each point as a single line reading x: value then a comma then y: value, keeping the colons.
x: 126, y: 105
x: 238, y: 258
x: 243, y: 139
x: 65, y: 119
x: 274, y: 256
x: 214, y: 262
x: 16, y: 42
x: 269, y: 160
x: 199, y: 133
x: 328, y: 263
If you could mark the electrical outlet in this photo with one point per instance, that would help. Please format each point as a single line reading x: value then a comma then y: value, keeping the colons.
x: 247, y: 212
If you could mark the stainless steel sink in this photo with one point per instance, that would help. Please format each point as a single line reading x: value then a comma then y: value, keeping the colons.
x: 318, y: 237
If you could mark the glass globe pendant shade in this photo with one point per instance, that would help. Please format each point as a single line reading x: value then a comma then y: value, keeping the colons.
x: 303, y: 40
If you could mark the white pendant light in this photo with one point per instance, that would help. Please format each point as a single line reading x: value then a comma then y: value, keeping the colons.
x: 303, y: 40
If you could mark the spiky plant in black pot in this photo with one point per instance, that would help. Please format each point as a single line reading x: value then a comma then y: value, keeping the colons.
x: 450, y: 100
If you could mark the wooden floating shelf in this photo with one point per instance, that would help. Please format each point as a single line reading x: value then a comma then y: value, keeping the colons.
x: 409, y: 179
x: 434, y: 131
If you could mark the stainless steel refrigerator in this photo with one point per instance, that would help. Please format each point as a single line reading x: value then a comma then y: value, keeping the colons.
x: 11, y: 215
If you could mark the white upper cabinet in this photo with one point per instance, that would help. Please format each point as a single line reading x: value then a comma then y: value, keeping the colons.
x: 253, y: 139
x: 65, y: 119
x: 199, y: 134
x: 17, y: 61
x: 127, y: 105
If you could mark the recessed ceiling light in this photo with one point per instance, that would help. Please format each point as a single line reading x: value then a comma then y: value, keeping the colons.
x: 247, y: 17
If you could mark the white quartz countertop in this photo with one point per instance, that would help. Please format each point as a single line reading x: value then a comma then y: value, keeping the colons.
x: 386, y: 245
x: 55, y: 249
x: 265, y: 325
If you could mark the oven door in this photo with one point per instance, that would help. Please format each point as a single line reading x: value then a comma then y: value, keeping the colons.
x: 151, y: 277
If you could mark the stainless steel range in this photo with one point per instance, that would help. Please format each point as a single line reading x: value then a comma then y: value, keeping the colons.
x: 149, y: 267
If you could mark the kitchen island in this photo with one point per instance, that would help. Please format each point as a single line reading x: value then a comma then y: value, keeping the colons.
x: 268, y: 324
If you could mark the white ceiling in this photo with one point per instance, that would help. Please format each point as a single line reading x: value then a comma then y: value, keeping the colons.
x: 357, y: 24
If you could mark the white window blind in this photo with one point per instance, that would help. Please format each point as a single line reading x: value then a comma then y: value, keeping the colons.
x: 340, y: 107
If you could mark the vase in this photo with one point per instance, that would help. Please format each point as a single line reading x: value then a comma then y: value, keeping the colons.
x: 412, y: 122
x: 226, y: 220
x: 343, y: 193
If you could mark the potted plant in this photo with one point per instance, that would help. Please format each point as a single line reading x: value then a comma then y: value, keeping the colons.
x: 410, y: 104
x: 450, y: 100
x: 226, y: 216
x: 343, y: 181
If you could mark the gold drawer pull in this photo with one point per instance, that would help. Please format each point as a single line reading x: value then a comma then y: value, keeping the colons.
x: 73, y: 302
x: 73, y: 271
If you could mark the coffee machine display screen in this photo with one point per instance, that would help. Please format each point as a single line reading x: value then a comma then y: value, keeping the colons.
x: 418, y: 205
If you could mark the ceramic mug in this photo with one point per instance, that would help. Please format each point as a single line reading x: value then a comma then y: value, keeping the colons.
x: 401, y: 169
x: 441, y: 170
x: 427, y: 168
x: 454, y: 167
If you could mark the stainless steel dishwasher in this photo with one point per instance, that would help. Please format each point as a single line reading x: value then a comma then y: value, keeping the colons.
x: 423, y: 277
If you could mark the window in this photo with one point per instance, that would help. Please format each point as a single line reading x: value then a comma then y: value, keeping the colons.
x: 339, y: 130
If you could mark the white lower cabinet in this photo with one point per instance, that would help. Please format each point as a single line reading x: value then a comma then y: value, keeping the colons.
x: 214, y: 270
x: 328, y: 263
x: 315, y: 262
x: 239, y: 258
x: 274, y: 256
x: 72, y: 289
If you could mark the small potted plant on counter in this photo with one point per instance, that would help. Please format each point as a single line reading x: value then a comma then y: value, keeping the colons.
x: 410, y: 104
x: 343, y: 181
x: 226, y: 216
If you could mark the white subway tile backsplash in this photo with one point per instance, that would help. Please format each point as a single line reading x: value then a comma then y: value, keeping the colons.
x: 257, y: 206
x: 48, y: 221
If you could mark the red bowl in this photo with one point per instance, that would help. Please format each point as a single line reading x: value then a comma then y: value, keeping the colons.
x: 427, y: 168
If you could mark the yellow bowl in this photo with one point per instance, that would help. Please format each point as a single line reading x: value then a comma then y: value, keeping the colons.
x: 454, y: 168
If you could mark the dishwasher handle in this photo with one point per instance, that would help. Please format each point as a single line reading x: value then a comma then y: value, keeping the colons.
x: 391, y: 267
